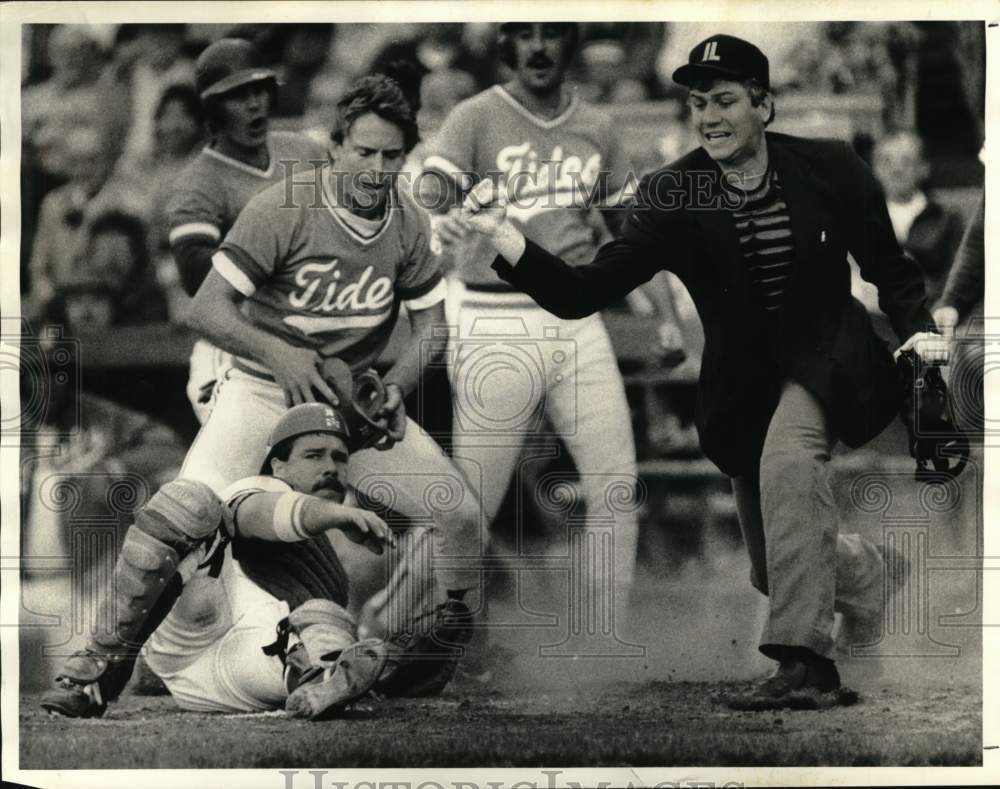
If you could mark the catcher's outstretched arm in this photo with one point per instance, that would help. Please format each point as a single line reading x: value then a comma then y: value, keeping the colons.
x: 292, y: 517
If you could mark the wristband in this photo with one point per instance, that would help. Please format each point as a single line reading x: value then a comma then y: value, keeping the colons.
x: 287, y: 519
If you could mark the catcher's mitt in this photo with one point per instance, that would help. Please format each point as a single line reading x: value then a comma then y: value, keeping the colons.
x: 362, y: 398
x: 936, y: 444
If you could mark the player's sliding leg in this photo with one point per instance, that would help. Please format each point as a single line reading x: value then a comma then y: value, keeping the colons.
x: 588, y: 408
x: 231, y: 445
x: 425, y: 610
x: 181, y: 517
x: 326, y: 666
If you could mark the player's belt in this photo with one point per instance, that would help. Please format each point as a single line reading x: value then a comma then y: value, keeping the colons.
x: 250, y: 368
x: 489, y: 295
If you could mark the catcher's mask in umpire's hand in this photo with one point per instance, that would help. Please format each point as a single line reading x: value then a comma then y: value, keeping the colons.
x: 938, y: 446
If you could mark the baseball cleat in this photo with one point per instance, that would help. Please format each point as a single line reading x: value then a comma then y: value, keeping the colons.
x: 78, y: 692
x: 796, y: 685
x: 350, y: 677
x: 422, y: 662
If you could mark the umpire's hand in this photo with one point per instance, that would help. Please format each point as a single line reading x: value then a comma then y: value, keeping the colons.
x: 485, y: 211
x: 930, y: 346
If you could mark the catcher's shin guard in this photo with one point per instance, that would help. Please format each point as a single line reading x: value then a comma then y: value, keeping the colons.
x: 182, y: 515
x: 327, y: 667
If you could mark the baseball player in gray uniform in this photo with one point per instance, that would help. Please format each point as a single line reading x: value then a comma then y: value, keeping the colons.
x: 512, y: 364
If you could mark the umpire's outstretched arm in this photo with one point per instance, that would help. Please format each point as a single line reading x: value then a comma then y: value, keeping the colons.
x: 569, y: 292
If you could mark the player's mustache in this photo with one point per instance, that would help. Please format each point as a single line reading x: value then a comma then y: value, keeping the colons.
x: 540, y: 60
x: 328, y: 482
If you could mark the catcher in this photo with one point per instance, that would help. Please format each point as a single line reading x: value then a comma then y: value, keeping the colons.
x: 240, y: 602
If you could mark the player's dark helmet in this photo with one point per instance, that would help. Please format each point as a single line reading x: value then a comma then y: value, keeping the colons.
x: 228, y: 64
x: 505, y: 40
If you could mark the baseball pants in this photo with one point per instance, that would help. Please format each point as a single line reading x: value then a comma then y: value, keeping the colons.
x: 789, y: 521
x: 415, y: 478
x: 208, y: 649
x: 512, y: 365
x: 208, y: 365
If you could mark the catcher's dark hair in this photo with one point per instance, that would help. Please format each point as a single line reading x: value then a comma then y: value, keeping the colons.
x: 382, y: 96
x: 505, y: 39
x: 282, y: 451
x: 757, y: 92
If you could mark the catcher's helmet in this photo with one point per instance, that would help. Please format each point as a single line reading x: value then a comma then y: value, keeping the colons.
x: 505, y: 42
x: 302, y: 419
x: 228, y: 64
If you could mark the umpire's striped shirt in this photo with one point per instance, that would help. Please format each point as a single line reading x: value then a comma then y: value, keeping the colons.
x: 765, y: 235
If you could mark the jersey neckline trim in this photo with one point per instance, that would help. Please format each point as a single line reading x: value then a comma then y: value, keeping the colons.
x: 360, y: 238
x: 545, y: 123
x: 208, y: 150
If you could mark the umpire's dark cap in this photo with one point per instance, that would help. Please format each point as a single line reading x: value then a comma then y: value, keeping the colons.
x: 724, y: 57
x: 227, y: 64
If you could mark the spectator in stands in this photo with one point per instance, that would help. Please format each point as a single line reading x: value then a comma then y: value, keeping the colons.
x: 155, y: 60
x: 925, y: 229
x: 618, y: 61
x: 114, y: 283
x: 178, y: 134
x: 303, y: 55
x: 77, y: 94
x: 65, y: 212
x: 440, y: 91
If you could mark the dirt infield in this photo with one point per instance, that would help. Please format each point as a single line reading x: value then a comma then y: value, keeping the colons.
x: 657, y: 723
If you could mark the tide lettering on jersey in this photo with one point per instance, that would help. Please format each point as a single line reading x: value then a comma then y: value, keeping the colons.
x: 362, y: 294
x: 534, y: 184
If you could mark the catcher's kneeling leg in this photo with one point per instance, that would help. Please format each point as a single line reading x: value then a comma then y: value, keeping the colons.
x: 326, y: 666
x: 181, y: 516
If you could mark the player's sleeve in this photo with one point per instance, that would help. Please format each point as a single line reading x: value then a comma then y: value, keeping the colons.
x: 194, y: 220
x: 419, y: 283
x: 452, y: 149
x: 240, y: 492
x: 257, y: 243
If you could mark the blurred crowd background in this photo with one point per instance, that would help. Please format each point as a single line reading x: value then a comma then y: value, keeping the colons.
x: 110, y: 116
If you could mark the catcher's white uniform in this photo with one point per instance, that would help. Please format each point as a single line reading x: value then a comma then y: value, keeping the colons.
x: 208, y: 650
x: 512, y: 363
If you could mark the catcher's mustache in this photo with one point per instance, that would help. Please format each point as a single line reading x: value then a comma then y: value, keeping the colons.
x: 329, y: 483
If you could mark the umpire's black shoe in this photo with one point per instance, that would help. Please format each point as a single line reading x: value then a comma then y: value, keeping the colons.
x: 422, y: 661
x: 811, y: 684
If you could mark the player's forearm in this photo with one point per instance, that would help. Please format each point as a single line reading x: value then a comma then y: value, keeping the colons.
x: 423, y: 348
x: 217, y: 318
x: 286, y: 517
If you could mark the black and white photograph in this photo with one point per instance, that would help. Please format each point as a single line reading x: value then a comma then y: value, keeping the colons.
x: 441, y: 394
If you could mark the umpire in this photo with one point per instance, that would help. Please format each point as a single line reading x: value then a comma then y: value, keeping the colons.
x: 758, y: 226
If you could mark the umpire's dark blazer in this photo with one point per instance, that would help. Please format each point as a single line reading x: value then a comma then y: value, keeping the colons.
x: 822, y: 338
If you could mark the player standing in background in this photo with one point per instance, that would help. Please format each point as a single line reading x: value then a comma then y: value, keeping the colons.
x: 556, y: 157
x: 242, y: 159
x: 321, y: 268
x: 208, y: 623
